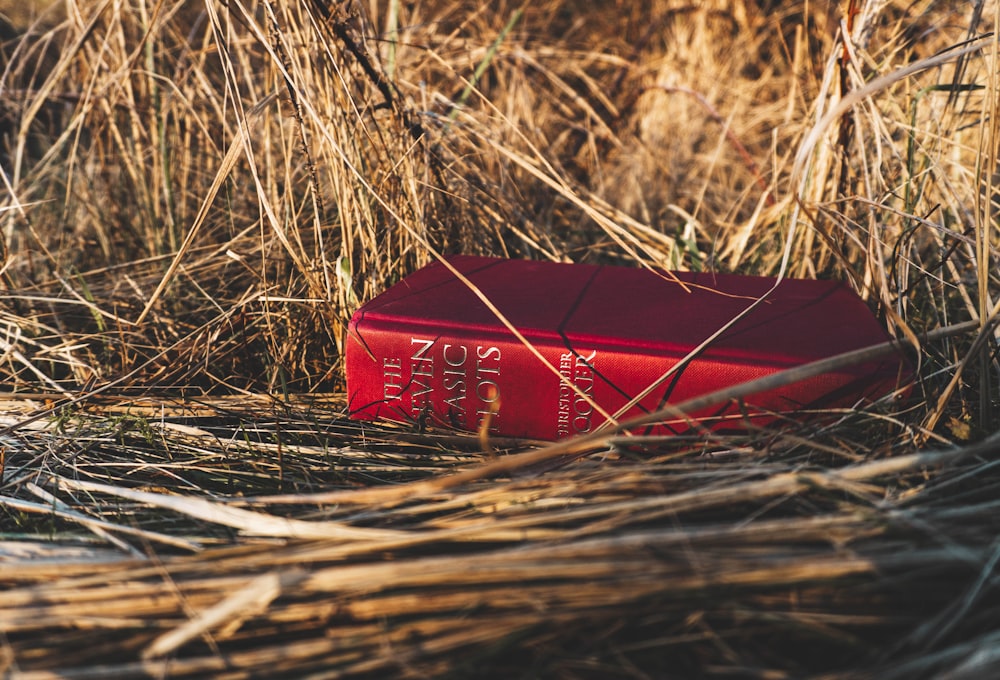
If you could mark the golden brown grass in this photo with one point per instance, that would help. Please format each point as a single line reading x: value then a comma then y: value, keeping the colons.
x: 196, y: 196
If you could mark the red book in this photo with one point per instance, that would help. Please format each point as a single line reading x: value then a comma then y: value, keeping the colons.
x: 430, y: 351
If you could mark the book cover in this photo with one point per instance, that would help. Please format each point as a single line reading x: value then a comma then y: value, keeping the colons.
x: 429, y: 351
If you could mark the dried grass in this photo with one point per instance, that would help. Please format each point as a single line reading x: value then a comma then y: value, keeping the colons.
x: 197, y: 196
x: 690, y: 558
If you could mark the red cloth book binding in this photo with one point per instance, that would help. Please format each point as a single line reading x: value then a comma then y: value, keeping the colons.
x: 429, y: 351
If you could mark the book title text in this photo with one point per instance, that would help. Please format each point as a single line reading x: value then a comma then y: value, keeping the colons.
x: 459, y: 380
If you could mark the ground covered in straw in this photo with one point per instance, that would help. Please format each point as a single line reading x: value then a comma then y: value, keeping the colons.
x: 206, y: 540
x: 196, y: 197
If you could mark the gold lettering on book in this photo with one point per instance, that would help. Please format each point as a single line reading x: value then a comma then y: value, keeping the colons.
x: 392, y: 378
x: 565, y: 393
x: 455, y: 381
x: 575, y: 412
x: 421, y: 376
x: 487, y: 386
x: 583, y: 379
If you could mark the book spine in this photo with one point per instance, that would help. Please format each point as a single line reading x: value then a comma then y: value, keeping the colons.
x: 412, y: 374
x: 466, y: 380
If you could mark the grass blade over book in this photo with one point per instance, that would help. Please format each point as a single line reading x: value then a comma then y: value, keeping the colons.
x: 600, y: 343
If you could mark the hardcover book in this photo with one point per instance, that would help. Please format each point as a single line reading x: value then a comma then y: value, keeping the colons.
x: 599, y: 343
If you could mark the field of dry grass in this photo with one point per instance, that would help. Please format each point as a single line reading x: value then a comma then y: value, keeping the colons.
x: 196, y: 196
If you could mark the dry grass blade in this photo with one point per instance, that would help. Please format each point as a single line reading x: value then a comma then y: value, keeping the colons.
x: 251, y: 600
x: 225, y: 169
x: 51, y: 509
x: 248, y: 522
